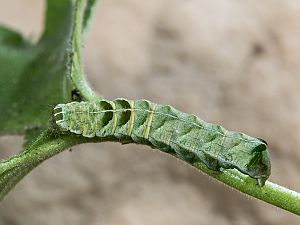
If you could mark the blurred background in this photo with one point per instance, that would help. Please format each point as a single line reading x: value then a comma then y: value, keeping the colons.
x: 230, y: 62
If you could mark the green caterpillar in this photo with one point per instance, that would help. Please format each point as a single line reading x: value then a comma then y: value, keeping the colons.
x: 163, y: 127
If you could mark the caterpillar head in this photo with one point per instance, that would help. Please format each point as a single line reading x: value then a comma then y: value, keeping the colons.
x: 259, y: 166
x: 58, y: 117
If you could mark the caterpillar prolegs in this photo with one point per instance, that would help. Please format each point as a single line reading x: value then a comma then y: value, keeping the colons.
x: 165, y: 128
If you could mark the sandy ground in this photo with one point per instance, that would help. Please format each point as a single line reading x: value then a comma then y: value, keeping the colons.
x: 230, y: 62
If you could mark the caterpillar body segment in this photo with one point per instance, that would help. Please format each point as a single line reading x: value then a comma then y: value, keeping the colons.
x: 165, y: 128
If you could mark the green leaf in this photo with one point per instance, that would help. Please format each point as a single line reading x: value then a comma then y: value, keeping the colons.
x: 34, y: 78
x: 31, y: 135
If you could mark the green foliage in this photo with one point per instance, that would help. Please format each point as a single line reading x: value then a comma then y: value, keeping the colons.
x: 36, y: 77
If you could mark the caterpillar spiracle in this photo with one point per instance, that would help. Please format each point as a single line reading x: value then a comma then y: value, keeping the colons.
x: 163, y: 127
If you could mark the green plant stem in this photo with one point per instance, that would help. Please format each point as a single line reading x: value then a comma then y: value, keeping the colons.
x: 88, y: 14
x: 48, y: 145
x: 77, y: 71
x: 51, y: 143
x: 272, y: 193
